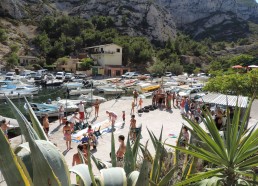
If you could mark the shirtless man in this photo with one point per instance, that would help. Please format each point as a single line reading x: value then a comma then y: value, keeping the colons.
x: 96, y: 105
x: 46, y: 124
x: 4, y: 127
x: 133, y: 128
x: 122, y: 148
x: 76, y: 158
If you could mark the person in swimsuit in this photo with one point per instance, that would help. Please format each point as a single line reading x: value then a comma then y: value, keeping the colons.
x: 132, y: 109
x: 67, y: 135
x: 4, y: 127
x: 73, y: 120
x: 46, y: 124
x: 140, y: 103
x: 90, y: 130
x: 85, y: 138
x: 133, y: 128
x: 135, y: 96
x: 122, y: 148
x: 61, y: 114
x: 81, y: 110
x: 112, y: 117
x: 96, y: 105
x: 93, y: 140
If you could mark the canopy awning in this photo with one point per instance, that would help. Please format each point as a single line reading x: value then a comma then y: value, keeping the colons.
x: 222, y: 99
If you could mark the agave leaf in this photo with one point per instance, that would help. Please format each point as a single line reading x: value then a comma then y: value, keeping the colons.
x: 49, y: 166
x: 114, y: 176
x: 26, y: 128
x: 113, y: 148
x: 146, y: 153
x: 24, y: 159
x: 90, y: 168
x: 214, y: 181
x: 12, y: 171
x: 186, y: 167
x: 82, y: 171
x: 143, y: 178
x: 132, y: 178
x: 200, y: 177
x: 129, y: 163
x: 165, y: 180
x: 156, y: 165
x: 97, y: 162
x: 35, y: 123
x: 136, y: 146
x: 176, y: 156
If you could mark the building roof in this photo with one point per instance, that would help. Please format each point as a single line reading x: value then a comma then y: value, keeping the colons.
x: 103, y: 45
x: 222, y: 99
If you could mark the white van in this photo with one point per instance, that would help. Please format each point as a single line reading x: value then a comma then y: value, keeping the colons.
x: 60, y: 75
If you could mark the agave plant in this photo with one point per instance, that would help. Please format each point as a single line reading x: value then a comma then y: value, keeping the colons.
x: 38, y: 161
x: 232, y: 157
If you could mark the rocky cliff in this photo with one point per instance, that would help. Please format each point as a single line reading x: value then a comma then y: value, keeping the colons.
x: 157, y: 19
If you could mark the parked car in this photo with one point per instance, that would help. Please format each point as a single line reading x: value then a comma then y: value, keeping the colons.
x: 130, y: 75
x: 154, y: 75
x: 10, y: 75
x: 191, y: 93
x: 38, y: 76
x: 80, y: 76
x: 60, y: 75
x: 69, y: 76
x: 125, y: 74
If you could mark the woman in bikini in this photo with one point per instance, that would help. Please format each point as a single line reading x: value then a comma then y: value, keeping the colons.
x: 96, y: 105
x: 67, y: 135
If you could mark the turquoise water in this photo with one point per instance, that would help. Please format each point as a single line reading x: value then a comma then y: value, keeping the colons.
x: 44, y: 94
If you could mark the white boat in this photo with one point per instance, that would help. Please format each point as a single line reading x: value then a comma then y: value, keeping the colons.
x: 13, y: 95
x: 171, y: 82
x: 79, y: 91
x: 20, y: 90
x: 41, y: 109
x: 111, y: 91
x: 71, y: 85
x: 69, y: 104
x: 89, y: 98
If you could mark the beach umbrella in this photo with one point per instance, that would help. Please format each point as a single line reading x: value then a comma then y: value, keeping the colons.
x: 252, y: 66
x: 237, y: 66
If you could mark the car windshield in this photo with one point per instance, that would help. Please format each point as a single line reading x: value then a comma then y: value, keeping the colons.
x: 59, y: 73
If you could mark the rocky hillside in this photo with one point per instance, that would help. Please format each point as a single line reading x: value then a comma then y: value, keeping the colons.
x: 158, y: 19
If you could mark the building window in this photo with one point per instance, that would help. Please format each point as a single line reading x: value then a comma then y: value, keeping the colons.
x: 118, y: 50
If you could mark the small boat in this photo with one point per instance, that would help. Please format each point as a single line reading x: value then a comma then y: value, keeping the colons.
x: 146, y: 95
x: 89, y: 98
x: 71, y: 85
x: 13, y: 95
x: 69, y: 104
x: 79, y: 91
x: 147, y: 87
x: 111, y: 91
x: 43, y: 109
